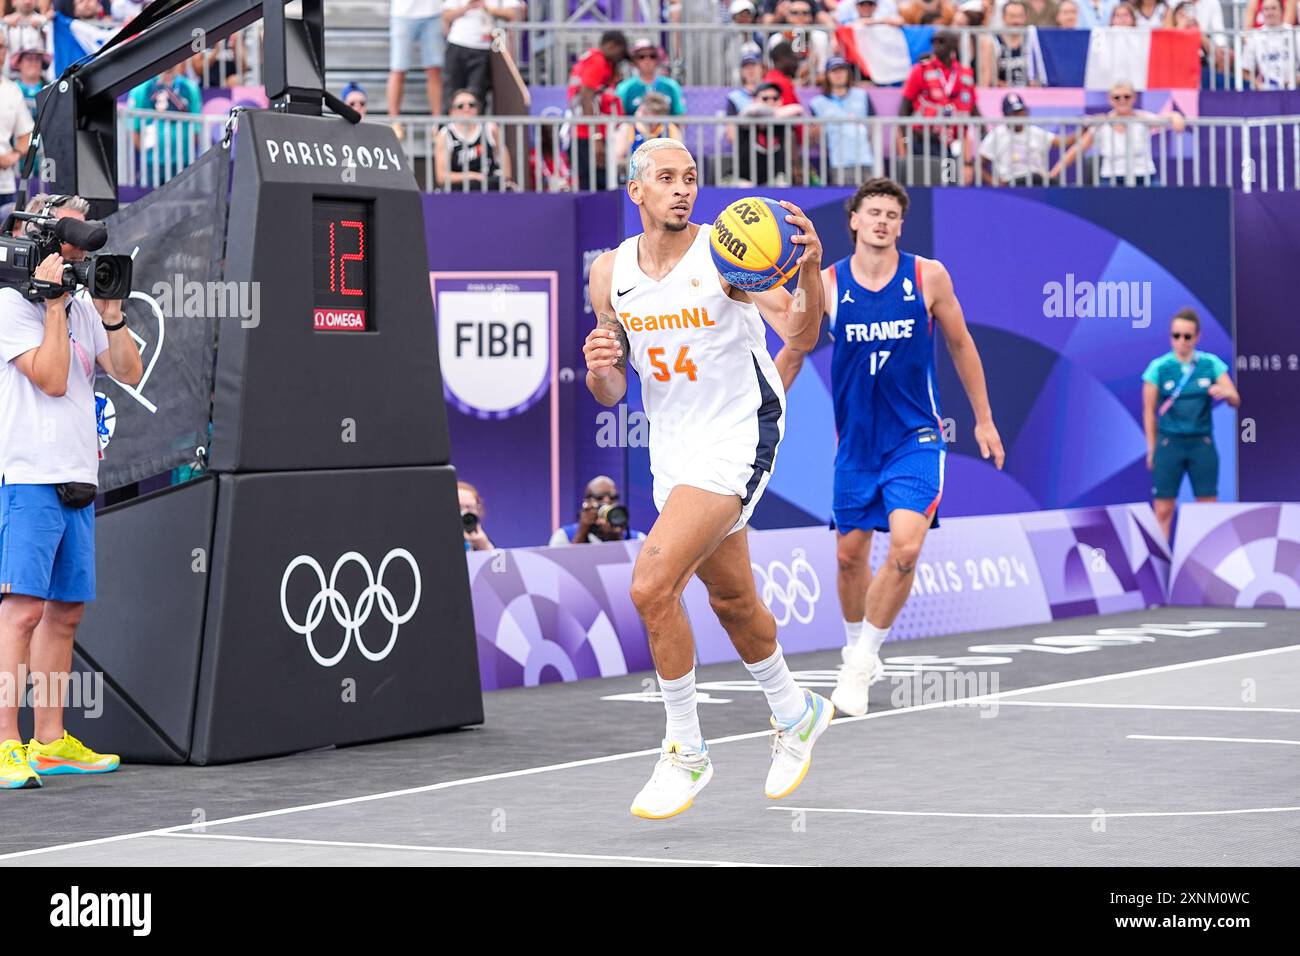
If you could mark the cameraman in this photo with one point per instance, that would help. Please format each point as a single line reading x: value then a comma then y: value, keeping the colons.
x: 600, y: 518
x: 471, y: 517
x: 49, y: 467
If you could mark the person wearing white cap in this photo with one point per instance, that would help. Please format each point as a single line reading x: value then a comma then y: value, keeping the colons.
x: 29, y: 67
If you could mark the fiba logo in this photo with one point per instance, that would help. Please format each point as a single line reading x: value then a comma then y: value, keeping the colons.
x: 790, y: 592
x: 350, y: 617
x: 494, y: 340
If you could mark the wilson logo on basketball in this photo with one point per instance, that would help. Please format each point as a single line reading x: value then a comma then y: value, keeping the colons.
x: 724, y: 238
x: 686, y: 319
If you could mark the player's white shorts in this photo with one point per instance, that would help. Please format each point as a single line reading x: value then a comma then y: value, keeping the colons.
x: 745, y: 481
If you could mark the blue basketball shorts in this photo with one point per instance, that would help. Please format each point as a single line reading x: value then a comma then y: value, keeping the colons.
x: 47, y: 550
x: 910, y: 479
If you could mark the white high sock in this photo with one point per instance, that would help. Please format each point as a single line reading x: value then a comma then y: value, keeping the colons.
x: 683, y: 720
x: 852, y: 632
x: 784, y: 696
x: 873, y: 637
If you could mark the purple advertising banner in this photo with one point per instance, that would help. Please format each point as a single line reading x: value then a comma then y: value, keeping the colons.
x: 1266, y: 229
x: 497, y: 337
x: 552, y: 614
x: 511, y: 460
x: 1237, y: 555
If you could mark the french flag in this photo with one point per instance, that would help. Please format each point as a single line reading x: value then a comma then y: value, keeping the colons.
x: 880, y: 51
x: 1097, y: 59
x: 74, y: 39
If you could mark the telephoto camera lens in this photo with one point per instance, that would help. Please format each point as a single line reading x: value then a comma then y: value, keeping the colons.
x: 614, y: 515
x: 469, y: 521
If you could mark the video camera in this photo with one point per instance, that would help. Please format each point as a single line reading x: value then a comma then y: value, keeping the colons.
x: 104, y: 277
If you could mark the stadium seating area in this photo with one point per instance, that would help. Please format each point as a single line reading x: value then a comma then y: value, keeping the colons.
x: 1061, y: 76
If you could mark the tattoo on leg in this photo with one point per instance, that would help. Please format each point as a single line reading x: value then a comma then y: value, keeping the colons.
x: 607, y: 321
x: 904, y: 569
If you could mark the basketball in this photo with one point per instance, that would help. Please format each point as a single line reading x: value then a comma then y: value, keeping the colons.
x: 751, y: 244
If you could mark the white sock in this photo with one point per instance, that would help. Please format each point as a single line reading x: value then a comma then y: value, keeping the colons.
x: 873, y: 637
x: 852, y: 632
x: 784, y: 696
x: 679, y: 701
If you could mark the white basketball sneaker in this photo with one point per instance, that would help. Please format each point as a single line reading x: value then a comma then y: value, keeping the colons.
x: 680, y: 774
x: 860, y: 670
x: 792, y: 746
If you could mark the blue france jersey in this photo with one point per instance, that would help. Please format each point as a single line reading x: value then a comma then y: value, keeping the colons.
x: 882, y: 366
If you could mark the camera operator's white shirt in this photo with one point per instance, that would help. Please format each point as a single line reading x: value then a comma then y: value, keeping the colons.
x: 15, y: 121
x: 46, y: 440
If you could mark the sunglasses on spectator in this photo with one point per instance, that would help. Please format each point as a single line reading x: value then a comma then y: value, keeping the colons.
x: 1182, y: 335
x: 648, y: 55
x: 1121, y: 97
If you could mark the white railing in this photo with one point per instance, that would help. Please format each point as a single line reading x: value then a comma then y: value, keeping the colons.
x: 708, y: 54
x: 548, y: 154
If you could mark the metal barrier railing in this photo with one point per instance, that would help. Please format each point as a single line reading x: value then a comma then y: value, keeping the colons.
x: 708, y: 54
x: 556, y: 153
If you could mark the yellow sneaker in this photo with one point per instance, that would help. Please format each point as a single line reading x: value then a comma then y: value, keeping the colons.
x: 15, y: 772
x: 68, y: 755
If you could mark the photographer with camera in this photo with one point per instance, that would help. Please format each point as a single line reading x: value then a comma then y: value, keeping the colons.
x: 471, y: 517
x: 600, y: 517
x: 50, y: 343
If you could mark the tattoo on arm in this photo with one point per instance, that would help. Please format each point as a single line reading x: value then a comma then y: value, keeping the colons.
x: 652, y: 550
x: 607, y: 321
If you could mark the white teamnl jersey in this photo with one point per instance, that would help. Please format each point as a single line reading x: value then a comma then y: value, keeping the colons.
x: 711, y: 392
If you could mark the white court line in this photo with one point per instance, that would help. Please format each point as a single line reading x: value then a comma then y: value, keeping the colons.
x: 1038, y: 816
x: 462, y: 849
x: 1216, y: 740
x: 1071, y: 703
x: 591, y: 761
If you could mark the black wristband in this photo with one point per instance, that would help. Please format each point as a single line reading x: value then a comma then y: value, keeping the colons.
x: 113, y: 328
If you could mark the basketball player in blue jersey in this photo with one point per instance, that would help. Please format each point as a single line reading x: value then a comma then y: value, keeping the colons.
x: 882, y: 306
x: 717, y: 412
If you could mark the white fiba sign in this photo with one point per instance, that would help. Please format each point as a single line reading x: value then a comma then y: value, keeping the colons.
x: 494, y: 346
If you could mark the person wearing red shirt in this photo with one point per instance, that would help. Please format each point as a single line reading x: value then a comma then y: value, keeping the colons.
x: 785, y: 67
x: 591, y: 93
x: 939, y: 85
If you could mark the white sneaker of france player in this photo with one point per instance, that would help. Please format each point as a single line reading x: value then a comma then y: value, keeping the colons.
x: 861, y: 669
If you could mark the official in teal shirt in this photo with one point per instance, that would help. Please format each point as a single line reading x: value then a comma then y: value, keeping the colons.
x: 1179, y: 390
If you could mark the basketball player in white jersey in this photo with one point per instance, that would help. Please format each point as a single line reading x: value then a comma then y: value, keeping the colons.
x: 717, y: 413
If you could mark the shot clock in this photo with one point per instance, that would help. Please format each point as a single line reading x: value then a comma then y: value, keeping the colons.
x: 341, y: 368
x: 340, y: 266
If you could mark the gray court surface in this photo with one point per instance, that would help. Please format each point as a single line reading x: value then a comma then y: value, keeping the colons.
x: 1165, y: 737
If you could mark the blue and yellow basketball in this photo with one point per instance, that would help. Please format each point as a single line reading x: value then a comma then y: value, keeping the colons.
x: 751, y: 244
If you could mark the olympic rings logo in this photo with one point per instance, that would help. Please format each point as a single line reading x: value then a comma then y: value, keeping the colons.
x: 351, y: 619
x: 795, y: 588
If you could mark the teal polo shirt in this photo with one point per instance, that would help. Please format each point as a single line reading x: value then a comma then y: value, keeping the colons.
x: 1190, y: 413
